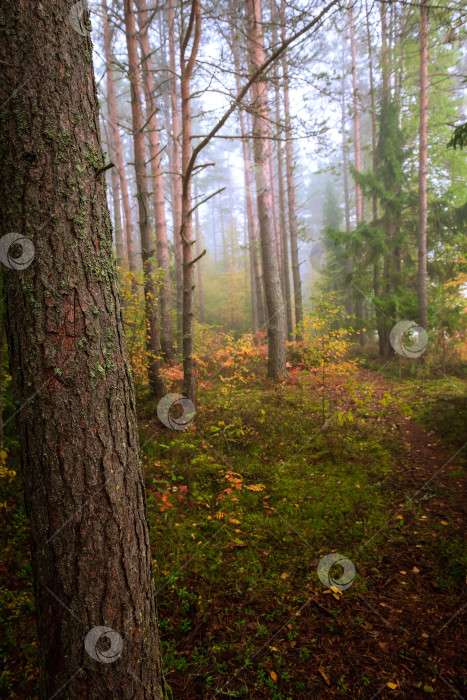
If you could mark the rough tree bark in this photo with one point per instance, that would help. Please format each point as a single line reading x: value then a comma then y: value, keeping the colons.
x: 155, y: 156
x: 297, y: 284
x: 80, y: 458
x: 262, y: 147
x: 156, y: 382
x: 423, y: 167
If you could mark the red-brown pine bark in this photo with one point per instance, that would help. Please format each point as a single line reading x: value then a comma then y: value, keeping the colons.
x: 155, y: 156
x: 76, y: 417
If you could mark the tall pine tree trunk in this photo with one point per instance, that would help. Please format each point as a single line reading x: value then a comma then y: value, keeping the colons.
x: 153, y: 348
x: 155, y: 156
x: 423, y: 167
x: 76, y: 419
x: 293, y: 226
x: 262, y: 145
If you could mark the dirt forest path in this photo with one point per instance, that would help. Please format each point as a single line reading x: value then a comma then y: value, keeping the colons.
x: 397, y: 631
x: 409, y: 625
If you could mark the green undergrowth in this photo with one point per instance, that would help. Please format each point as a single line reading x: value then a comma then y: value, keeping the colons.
x: 242, y: 507
x: 245, y: 503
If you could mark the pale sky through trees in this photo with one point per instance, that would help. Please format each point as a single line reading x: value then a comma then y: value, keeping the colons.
x: 316, y: 71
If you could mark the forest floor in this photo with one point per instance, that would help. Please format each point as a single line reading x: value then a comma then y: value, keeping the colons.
x: 243, y: 506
